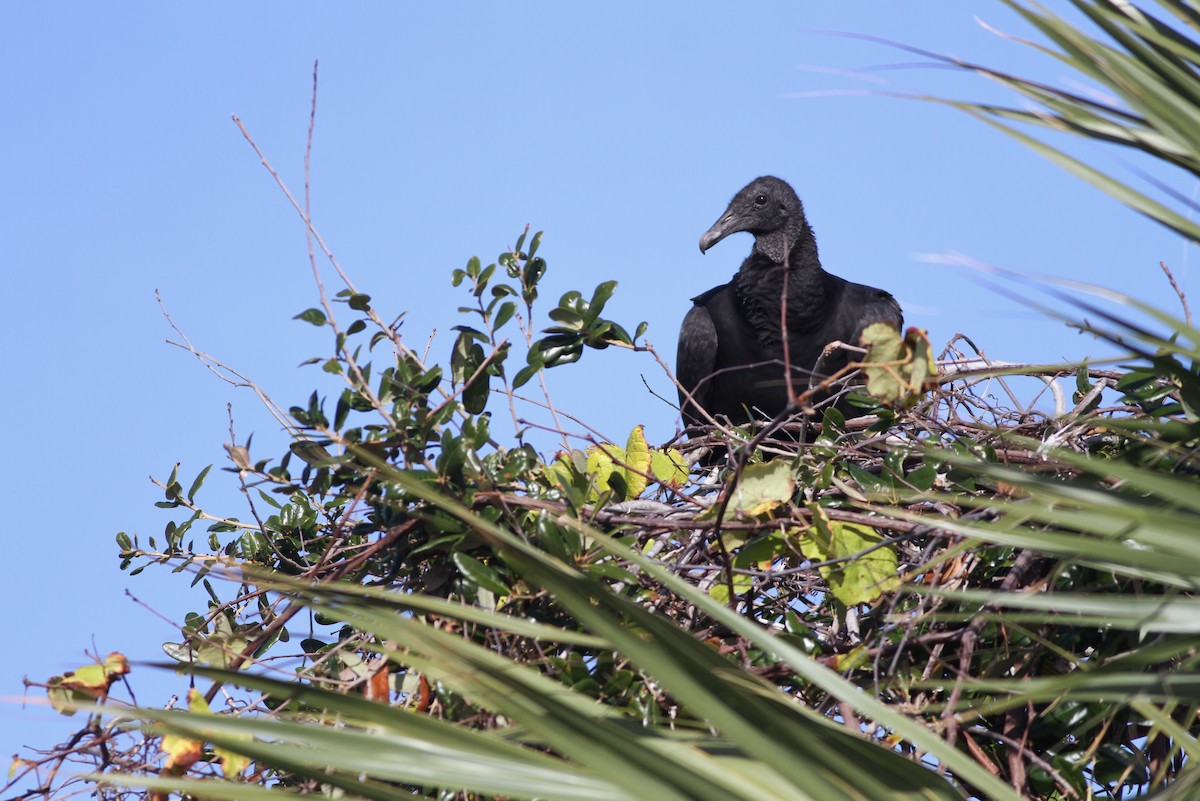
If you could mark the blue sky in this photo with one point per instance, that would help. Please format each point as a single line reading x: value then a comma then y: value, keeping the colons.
x: 442, y: 131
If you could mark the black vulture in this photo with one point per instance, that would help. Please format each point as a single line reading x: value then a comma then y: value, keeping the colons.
x: 731, y: 356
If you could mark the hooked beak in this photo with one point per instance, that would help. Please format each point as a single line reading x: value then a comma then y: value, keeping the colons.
x: 728, y: 224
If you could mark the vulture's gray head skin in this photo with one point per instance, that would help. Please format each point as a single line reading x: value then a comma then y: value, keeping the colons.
x: 768, y: 208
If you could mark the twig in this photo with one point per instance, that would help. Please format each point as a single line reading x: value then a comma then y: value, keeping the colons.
x: 783, y: 329
x: 226, y: 373
x: 1187, y: 313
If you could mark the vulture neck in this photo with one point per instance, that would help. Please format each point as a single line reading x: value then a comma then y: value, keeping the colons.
x: 760, y: 283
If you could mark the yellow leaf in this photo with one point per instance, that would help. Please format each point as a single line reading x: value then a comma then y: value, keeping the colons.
x: 636, y: 462
x: 719, y: 592
x: 626, y: 472
x: 115, y: 664
x: 898, y: 370
x: 232, y: 763
x: 669, y: 467
x: 563, y: 471
x: 88, y: 683
x: 601, y: 470
x: 181, y: 752
x: 196, y: 702
x: 89, y: 679
x: 854, y: 658
x: 762, y: 488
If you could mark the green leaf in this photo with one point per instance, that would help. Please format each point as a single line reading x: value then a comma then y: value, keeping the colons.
x: 870, y: 567
x: 484, y: 276
x: 524, y: 374
x: 612, y: 572
x: 465, y: 363
x: 480, y: 574
x: 199, y: 482
x: 429, y: 381
x: 314, y: 316
x: 312, y: 453
x: 600, y: 297
x: 569, y: 320
x: 475, y: 396
x: 504, y: 313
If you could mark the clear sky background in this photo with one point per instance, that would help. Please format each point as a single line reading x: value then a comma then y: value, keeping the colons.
x: 620, y: 129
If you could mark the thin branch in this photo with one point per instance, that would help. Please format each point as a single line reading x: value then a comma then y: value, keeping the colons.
x: 1187, y: 312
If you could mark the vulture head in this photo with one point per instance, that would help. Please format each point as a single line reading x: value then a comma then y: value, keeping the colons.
x: 768, y: 208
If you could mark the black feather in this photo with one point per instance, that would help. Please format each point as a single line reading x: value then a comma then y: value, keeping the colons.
x: 730, y: 357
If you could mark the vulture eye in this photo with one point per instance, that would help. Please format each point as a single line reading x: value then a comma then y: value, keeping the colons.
x: 761, y: 200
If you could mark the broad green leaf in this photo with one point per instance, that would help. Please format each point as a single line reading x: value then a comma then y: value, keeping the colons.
x: 480, y: 574
x: 525, y: 373
x: 504, y: 313
x: 313, y: 316
x: 197, y: 483
x: 313, y: 453
x: 869, y: 569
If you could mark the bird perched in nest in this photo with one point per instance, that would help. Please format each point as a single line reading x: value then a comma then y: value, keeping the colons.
x: 731, y: 355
